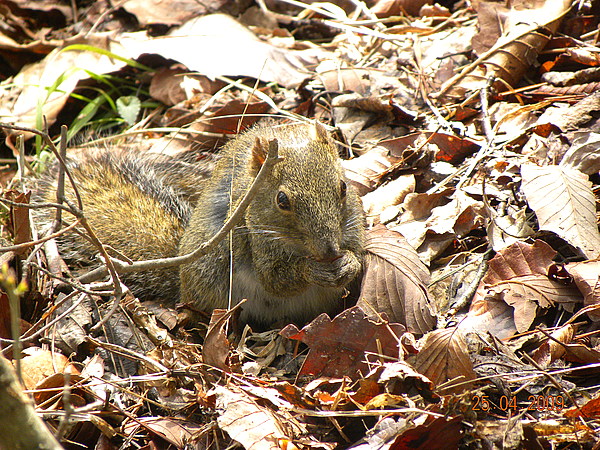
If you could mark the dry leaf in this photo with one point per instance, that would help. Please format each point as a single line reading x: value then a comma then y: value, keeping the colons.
x: 252, y: 425
x: 223, y: 46
x: 586, y: 275
x: 432, y: 235
x: 590, y: 410
x: 437, y: 433
x: 514, y: 288
x: 64, y: 66
x: 444, y: 357
x: 39, y: 364
x: 385, y: 196
x: 395, y: 281
x: 154, y: 12
x: 551, y: 350
x: 175, y: 431
x: 366, y: 171
x: 216, y: 345
x: 400, y: 378
x: 340, y: 347
x: 525, y: 33
x: 564, y: 203
x: 583, y: 154
x: 19, y: 218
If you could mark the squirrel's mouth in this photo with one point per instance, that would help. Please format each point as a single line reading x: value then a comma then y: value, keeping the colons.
x: 328, y: 259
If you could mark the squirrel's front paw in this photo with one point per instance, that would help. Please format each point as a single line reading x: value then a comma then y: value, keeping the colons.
x: 335, y: 273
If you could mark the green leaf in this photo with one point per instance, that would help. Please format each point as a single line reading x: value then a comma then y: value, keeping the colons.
x: 129, y: 108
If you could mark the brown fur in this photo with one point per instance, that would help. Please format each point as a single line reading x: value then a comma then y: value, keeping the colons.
x: 291, y: 264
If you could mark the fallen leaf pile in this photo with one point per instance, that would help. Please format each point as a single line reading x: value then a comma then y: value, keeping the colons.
x: 470, y: 131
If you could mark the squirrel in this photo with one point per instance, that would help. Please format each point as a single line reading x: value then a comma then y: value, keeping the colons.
x: 298, y: 246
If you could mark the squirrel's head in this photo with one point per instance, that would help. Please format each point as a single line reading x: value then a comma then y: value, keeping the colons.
x: 305, y: 204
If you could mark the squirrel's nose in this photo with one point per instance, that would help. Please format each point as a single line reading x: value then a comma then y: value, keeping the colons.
x: 329, y: 252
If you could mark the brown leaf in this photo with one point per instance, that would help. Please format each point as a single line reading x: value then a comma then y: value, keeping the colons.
x: 436, y: 434
x: 431, y: 235
x: 515, y: 286
x: 166, y: 85
x: 551, y: 350
x: 528, y: 293
x: 215, y: 350
x: 583, y: 153
x: 340, y: 347
x: 368, y: 170
x: 444, y: 357
x: 582, y: 354
x: 232, y: 117
x: 154, y: 12
x: 395, y: 281
x: 365, y: 172
x: 400, y: 378
x: 387, y: 8
x: 590, y: 410
x: 39, y: 364
x: 524, y: 34
x: 19, y: 218
x: 224, y: 47
x: 351, y: 79
x: 46, y: 390
x: 386, y: 196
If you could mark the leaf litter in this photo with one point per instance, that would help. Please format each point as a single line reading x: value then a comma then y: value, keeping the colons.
x: 468, y: 131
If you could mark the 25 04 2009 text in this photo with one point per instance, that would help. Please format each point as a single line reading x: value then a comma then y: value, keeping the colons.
x: 539, y: 403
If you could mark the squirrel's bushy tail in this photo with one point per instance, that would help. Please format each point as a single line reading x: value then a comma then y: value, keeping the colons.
x: 138, y: 204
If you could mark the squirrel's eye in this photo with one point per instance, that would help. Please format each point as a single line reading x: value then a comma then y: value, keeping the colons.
x: 283, y: 202
x: 343, y: 188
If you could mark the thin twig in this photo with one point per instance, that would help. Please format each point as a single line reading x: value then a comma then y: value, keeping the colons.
x: 161, y: 263
x: 39, y: 241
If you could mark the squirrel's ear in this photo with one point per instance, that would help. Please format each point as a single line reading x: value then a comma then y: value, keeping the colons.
x: 259, y: 154
x: 320, y: 134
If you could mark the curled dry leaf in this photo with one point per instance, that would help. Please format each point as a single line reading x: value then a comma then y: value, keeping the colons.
x: 431, y: 235
x: 399, y: 377
x: 553, y: 349
x: 395, y: 281
x: 216, y: 345
x: 444, y: 357
x: 388, y: 195
x: 505, y: 230
x: 416, y: 149
x: 583, y: 154
x: 564, y: 203
x: 38, y: 364
x: 525, y: 33
x: 366, y: 171
x: 515, y: 287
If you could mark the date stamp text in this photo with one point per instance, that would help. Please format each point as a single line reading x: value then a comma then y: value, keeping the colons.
x: 540, y: 403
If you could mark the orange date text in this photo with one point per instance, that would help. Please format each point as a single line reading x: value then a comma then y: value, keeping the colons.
x: 541, y: 403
